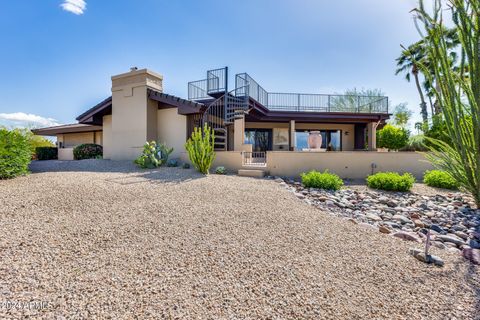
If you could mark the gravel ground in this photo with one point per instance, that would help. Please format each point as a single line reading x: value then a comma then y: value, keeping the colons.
x: 100, y: 239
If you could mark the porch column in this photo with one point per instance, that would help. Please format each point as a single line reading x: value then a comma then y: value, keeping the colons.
x: 292, y: 135
x: 239, y: 134
x: 372, y: 136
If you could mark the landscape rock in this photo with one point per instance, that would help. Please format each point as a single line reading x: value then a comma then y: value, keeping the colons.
x: 473, y: 255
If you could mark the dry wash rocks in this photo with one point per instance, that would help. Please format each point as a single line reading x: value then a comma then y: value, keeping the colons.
x: 451, y: 218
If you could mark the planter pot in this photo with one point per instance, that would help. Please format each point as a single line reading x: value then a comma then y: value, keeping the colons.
x: 314, y: 140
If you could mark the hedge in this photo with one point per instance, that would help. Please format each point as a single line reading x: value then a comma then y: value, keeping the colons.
x: 15, y: 153
x: 325, y: 180
x: 87, y: 151
x: 391, y: 181
x: 439, y: 179
x: 46, y: 153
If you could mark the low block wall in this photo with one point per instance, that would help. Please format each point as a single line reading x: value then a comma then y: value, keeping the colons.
x: 65, y: 154
x: 350, y: 165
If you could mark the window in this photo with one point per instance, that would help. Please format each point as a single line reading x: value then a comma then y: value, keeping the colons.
x: 260, y: 139
x: 331, y: 139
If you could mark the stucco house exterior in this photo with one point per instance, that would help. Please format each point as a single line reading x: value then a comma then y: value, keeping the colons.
x: 255, y: 129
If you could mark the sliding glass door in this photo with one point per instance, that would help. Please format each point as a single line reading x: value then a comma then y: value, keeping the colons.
x: 331, y: 139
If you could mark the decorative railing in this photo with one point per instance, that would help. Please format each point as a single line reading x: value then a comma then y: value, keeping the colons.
x: 254, y: 159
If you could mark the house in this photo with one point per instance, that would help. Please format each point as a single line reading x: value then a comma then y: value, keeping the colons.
x: 253, y: 127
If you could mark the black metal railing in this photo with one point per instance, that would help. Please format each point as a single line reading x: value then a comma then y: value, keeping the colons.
x: 245, y: 86
x: 301, y: 102
x: 254, y: 159
x: 217, y: 80
x: 197, y: 90
x: 255, y: 91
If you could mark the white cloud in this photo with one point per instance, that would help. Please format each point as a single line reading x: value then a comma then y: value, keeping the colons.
x: 21, y: 119
x: 77, y: 7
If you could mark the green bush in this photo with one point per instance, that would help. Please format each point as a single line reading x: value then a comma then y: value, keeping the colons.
x: 87, y: 151
x: 325, y: 180
x: 221, y: 170
x: 391, y: 181
x: 200, y: 148
x: 15, y: 153
x: 439, y: 179
x: 392, y: 137
x: 153, y: 155
x: 46, y: 153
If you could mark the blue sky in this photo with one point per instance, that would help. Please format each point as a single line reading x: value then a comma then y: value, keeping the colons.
x: 57, y: 56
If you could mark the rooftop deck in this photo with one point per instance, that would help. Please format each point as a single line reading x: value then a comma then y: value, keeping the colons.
x: 216, y: 85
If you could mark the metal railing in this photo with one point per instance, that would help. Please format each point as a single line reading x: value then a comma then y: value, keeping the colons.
x: 255, y: 91
x: 301, y: 102
x: 254, y: 159
x: 225, y: 109
x: 217, y: 80
x: 246, y: 86
x: 197, y: 90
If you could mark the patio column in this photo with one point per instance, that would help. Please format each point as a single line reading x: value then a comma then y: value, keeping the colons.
x: 372, y: 136
x: 292, y: 135
x: 239, y: 134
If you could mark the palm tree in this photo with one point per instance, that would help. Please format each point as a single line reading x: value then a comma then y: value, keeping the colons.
x: 408, y: 63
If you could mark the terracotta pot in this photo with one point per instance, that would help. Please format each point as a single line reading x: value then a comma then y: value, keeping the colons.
x: 314, y: 140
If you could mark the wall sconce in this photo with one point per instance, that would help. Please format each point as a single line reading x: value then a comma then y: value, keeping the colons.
x: 347, y: 133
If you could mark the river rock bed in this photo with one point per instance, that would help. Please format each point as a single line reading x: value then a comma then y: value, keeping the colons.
x: 452, y: 218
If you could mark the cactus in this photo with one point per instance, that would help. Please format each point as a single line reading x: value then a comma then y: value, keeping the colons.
x: 200, y: 148
x: 153, y: 155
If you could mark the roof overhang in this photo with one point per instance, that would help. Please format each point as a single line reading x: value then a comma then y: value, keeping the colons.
x: 94, y: 115
x: 184, y: 106
x: 67, y: 128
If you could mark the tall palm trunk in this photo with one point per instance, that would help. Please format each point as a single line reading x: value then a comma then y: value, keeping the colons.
x: 423, y: 104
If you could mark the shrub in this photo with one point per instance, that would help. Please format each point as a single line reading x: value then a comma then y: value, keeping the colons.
x: 46, y: 153
x: 391, y: 181
x: 221, y: 170
x: 439, y: 179
x: 416, y: 143
x: 87, y: 151
x: 153, y: 155
x: 392, y: 137
x: 325, y: 180
x: 172, y: 163
x: 200, y: 148
x: 15, y: 153
x: 186, y: 166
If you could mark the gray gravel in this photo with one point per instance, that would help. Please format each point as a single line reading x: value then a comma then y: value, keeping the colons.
x: 100, y: 239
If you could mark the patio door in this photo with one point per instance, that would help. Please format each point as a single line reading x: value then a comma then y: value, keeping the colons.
x: 260, y: 139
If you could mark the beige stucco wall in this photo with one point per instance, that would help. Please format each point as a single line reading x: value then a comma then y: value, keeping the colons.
x: 107, y: 137
x: 99, y: 137
x: 351, y: 165
x: 347, y: 164
x: 65, y: 154
x: 348, y: 130
x: 133, y: 115
x: 172, y: 130
x: 74, y: 139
